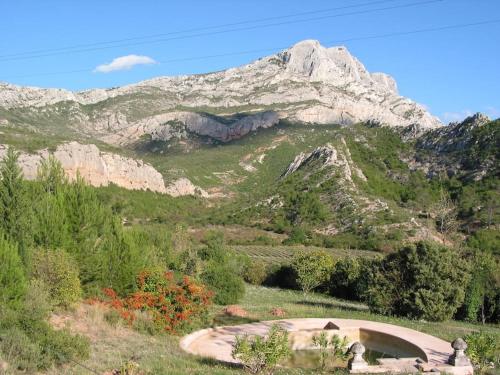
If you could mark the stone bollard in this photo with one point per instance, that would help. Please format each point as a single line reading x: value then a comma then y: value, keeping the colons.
x: 458, y: 358
x: 357, y: 361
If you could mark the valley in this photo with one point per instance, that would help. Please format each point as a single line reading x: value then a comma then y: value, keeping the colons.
x: 298, y: 185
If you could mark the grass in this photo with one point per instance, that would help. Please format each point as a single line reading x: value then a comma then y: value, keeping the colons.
x: 115, y: 346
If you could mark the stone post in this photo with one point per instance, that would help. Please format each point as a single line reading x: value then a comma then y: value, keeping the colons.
x: 357, y: 361
x: 458, y: 358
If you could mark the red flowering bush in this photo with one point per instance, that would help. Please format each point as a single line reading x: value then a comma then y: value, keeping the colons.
x: 174, y: 305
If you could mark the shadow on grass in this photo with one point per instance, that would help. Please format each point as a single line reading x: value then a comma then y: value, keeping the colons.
x: 215, y: 363
x: 332, y: 305
x: 226, y: 320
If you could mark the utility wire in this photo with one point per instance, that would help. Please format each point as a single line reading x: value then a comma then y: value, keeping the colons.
x: 163, y: 40
x: 353, y: 39
x: 192, y: 29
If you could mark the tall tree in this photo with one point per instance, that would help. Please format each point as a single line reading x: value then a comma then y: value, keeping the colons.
x: 51, y: 175
x: 14, y: 207
x: 446, y: 214
x: 12, y: 275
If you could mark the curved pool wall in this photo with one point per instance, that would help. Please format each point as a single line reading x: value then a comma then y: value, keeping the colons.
x: 382, y: 342
x: 407, y: 346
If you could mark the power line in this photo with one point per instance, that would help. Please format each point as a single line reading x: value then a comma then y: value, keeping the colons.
x: 193, y: 29
x: 273, y: 49
x: 163, y: 40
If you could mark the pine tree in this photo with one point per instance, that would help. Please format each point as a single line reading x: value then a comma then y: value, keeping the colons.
x: 51, y: 175
x: 14, y: 208
x: 12, y: 274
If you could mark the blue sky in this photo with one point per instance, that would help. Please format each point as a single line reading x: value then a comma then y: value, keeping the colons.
x: 453, y: 72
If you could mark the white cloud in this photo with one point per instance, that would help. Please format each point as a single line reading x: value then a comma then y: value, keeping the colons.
x: 456, y: 116
x: 124, y: 63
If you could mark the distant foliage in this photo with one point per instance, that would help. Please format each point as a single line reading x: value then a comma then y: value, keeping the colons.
x: 313, y: 269
x: 174, y: 305
x: 422, y: 281
x: 262, y: 354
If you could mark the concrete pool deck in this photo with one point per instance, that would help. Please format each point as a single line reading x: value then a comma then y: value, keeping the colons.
x: 411, y: 349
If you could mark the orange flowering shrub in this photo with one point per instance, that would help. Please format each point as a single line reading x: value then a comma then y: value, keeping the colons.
x: 173, y: 304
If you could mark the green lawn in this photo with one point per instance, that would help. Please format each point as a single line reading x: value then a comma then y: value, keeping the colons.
x: 113, y: 347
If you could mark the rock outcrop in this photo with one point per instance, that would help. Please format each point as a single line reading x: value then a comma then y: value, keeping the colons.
x: 461, y: 149
x: 96, y: 167
x: 183, y: 186
x: 327, y: 156
x: 307, y: 83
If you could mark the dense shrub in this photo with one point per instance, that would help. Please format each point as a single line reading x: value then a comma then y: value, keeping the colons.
x: 255, y: 272
x: 27, y: 340
x: 59, y: 272
x: 349, y: 278
x: 487, y: 240
x: 483, y: 349
x: 223, y: 269
x: 227, y: 286
x: 297, y: 236
x: 313, y: 269
x: 422, y: 281
x: 174, y: 305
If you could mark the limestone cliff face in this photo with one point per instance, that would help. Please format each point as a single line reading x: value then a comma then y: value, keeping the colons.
x: 183, y: 186
x: 307, y: 83
x: 338, y: 157
x: 96, y: 167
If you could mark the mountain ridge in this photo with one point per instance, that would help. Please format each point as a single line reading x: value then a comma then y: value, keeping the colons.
x: 306, y: 83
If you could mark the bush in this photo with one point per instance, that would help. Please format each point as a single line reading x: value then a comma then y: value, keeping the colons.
x: 483, y: 349
x: 313, y: 269
x: 20, y: 351
x: 227, y: 286
x: 12, y: 278
x: 255, y: 272
x: 348, y: 279
x: 297, y: 236
x: 32, y: 344
x: 258, y: 353
x: 422, y: 281
x: 58, y: 270
x: 173, y: 305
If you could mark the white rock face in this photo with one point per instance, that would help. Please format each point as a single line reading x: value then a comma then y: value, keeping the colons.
x: 96, y: 167
x: 328, y: 156
x: 183, y: 186
x: 307, y: 83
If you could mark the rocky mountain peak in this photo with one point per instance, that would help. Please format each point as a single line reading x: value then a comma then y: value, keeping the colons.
x: 475, y: 120
x: 306, y: 83
x: 334, y: 65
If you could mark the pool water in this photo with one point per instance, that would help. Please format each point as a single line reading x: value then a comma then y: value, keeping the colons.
x: 310, y: 359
